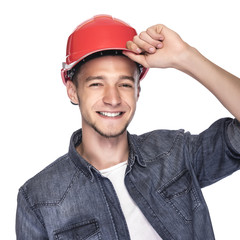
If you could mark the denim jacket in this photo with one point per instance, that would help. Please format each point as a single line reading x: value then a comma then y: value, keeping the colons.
x: 166, y: 170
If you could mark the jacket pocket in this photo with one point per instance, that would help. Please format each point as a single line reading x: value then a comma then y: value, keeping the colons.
x: 181, y: 195
x: 87, y: 230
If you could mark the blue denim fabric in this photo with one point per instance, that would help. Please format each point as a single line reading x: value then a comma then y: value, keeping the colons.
x: 166, y: 171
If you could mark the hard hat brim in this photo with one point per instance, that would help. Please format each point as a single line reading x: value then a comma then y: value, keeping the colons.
x: 66, y: 67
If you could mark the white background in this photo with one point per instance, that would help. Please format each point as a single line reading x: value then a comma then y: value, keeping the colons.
x: 37, y: 118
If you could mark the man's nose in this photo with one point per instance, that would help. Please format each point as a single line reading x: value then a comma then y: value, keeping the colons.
x: 112, y: 96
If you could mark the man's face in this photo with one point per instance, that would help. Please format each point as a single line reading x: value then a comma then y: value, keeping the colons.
x: 107, y: 92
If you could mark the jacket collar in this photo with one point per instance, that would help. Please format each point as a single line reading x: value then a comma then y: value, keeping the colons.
x: 87, y: 169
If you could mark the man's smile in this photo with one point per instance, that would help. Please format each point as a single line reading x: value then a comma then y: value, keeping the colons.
x: 110, y: 114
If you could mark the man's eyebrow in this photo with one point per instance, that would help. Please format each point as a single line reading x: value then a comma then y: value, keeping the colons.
x: 90, y: 78
x: 122, y: 77
x: 99, y: 77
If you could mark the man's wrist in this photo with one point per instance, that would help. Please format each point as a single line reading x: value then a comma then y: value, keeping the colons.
x: 184, y: 60
x: 190, y: 61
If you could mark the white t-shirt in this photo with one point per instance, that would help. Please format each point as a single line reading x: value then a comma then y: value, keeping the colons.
x: 138, y: 226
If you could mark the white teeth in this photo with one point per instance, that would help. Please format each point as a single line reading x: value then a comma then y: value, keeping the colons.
x: 108, y: 114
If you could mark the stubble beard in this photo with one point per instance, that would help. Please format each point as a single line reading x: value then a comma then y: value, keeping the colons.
x: 101, y: 133
x: 107, y: 135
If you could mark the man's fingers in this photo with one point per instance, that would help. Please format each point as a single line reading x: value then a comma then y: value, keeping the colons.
x: 151, y: 41
x: 136, y: 58
x: 147, y: 41
x: 156, y: 32
x: 133, y: 47
x: 142, y: 44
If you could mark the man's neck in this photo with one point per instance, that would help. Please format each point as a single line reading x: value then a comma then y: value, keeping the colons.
x: 102, y: 152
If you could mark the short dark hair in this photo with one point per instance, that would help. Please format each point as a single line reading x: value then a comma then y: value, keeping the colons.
x: 73, y: 73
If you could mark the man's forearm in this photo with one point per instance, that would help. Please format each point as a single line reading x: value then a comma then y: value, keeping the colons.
x: 224, y: 85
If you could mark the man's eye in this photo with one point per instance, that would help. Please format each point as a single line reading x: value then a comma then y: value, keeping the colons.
x: 126, y: 85
x: 95, y: 85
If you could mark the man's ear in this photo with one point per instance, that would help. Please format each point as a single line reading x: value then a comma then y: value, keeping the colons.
x: 72, y: 92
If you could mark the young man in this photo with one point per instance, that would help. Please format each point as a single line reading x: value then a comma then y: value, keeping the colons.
x: 114, y: 185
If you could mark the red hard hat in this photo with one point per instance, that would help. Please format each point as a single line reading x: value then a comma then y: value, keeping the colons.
x: 102, y: 32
